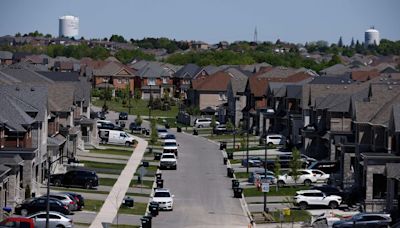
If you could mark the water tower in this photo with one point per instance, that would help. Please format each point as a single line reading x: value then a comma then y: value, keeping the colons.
x: 68, y: 26
x: 372, y: 37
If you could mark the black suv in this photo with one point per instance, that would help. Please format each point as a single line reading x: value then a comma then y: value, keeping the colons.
x: 123, y: 116
x: 134, y: 127
x: 83, y: 178
x: 33, y: 205
x: 110, y: 126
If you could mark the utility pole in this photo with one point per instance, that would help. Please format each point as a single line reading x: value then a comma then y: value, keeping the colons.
x: 265, y: 173
x: 247, y: 144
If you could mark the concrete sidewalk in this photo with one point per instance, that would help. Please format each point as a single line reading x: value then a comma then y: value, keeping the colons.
x: 109, y: 210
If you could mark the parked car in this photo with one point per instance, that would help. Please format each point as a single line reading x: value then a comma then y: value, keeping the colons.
x: 80, y: 201
x: 306, y: 198
x: 303, y: 157
x: 17, y: 222
x: 170, y: 146
x: 260, y: 173
x: 306, y: 177
x: 164, y: 199
x: 83, y: 178
x: 329, y: 190
x: 273, y: 139
x: 170, y: 136
x: 56, y: 220
x: 33, y: 205
x: 162, y: 132
x: 365, y: 220
x: 100, y: 122
x: 220, y: 129
x: 329, y: 167
x: 110, y: 126
x: 123, y: 116
x: 133, y: 127
x: 98, y: 115
x: 65, y: 199
x: 204, y: 122
x: 253, y: 162
x: 321, y: 176
x: 168, y: 161
x: 116, y: 137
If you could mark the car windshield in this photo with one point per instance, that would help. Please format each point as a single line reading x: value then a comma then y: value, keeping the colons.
x: 162, y: 130
x: 168, y: 156
x: 162, y: 194
x: 170, y: 137
x: 169, y: 144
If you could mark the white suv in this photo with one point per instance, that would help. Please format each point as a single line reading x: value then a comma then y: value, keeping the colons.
x: 305, y: 177
x: 276, y: 139
x: 307, y: 198
x: 204, y: 122
x: 164, y: 199
x: 168, y: 161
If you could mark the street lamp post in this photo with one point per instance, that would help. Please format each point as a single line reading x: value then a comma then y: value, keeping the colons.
x: 265, y: 174
x: 247, y: 144
x: 48, y: 187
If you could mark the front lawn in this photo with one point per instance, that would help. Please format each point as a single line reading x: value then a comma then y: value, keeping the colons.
x: 113, y: 152
x: 139, y: 107
x: 137, y: 209
x: 101, y: 165
x: 295, y: 216
x: 285, y: 191
x: 151, y: 171
x: 242, y: 175
x: 93, y: 205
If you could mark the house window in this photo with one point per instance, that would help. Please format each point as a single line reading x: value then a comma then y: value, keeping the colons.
x: 222, y: 96
x: 203, y: 73
x: 379, y: 186
x: 105, y: 79
x: 119, y: 81
x: 165, y: 80
x: 151, y: 81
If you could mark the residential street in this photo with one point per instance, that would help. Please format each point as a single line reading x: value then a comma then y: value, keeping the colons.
x: 203, y: 197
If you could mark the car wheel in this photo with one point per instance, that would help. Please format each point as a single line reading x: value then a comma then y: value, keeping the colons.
x: 24, y: 212
x: 60, y: 226
x: 88, y: 185
x: 303, y: 205
x: 307, y: 182
x: 333, y: 204
x: 281, y: 184
x: 57, y: 183
x: 200, y: 126
x: 127, y: 144
x: 270, y: 144
x: 175, y: 168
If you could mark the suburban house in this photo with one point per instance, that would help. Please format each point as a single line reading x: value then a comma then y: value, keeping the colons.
x: 235, y: 94
x: 182, y: 79
x: 114, y: 76
x: 156, y: 79
x: 6, y: 58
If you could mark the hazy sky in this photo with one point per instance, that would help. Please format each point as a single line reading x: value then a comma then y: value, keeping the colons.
x: 208, y: 20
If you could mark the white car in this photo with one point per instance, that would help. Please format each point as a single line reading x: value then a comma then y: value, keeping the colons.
x: 306, y: 198
x: 161, y: 133
x: 305, y: 177
x: 168, y: 161
x: 204, y: 122
x: 275, y: 139
x: 164, y: 199
x: 170, y: 146
x: 99, y: 122
x: 56, y: 220
x: 321, y: 176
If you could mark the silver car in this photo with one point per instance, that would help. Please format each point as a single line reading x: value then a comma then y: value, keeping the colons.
x: 56, y: 220
x: 66, y: 200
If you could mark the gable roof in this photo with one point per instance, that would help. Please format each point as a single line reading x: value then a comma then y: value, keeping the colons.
x: 187, y: 71
x: 216, y: 82
x: 362, y: 76
x: 113, y: 69
x: 154, y: 70
x: 6, y: 55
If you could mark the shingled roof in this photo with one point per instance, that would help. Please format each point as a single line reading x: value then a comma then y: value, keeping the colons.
x: 215, y: 82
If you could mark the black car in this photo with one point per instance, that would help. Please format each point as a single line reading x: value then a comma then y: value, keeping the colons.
x: 82, y: 178
x: 98, y: 115
x: 123, y: 116
x: 134, y: 127
x: 80, y: 201
x: 110, y: 126
x: 33, y: 205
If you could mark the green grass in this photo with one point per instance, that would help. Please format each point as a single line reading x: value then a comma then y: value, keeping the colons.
x: 113, y: 152
x: 151, y: 171
x: 107, y: 181
x: 93, y: 191
x: 295, y: 216
x: 145, y: 184
x: 93, y: 205
x: 171, y: 121
x: 137, y: 209
x: 285, y: 191
x: 242, y: 175
x: 235, y: 161
x: 101, y: 165
x: 139, y: 107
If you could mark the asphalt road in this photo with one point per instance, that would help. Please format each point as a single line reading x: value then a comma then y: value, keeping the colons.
x: 203, y: 197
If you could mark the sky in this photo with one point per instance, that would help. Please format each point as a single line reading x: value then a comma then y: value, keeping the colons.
x: 297, y: 21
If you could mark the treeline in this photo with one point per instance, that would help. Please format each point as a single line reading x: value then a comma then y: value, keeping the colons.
x: 228, y: 57
x: 156, y: 43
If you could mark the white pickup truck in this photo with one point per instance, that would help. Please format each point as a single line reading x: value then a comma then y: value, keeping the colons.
x: 168, y: 161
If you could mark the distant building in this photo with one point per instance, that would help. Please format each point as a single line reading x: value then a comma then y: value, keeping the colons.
x: 372, y: 37
x: 68, y: 26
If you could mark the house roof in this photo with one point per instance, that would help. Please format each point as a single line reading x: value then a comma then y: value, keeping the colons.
x: 187, y: 71
x: 155, y: 70
x: 396, y: 117
x: 329, y: 79
x: 215, y: 82
x: 7, y: 159
x: 60, y: 76
x: 61, y: 97
x: 13, y: 117
x: 337, y: 69
x: 6, y: 55
x: 362, y: 76
x: 114, y: 69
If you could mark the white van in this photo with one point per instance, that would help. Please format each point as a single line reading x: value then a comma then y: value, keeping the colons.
x: 204, y: 122
x: 116, y: 137
x: 99, y: 122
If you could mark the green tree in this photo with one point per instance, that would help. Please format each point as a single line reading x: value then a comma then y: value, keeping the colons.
x: 138, y: 120
x: 213, y: 124
x: 277, y: 170
x: 117, y: 38
x: 340, y: 42
x: 153, y: 135
x: 137, y: 96
x: 295, y: 164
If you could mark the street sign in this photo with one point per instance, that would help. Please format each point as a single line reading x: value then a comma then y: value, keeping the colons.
x: 265, y: 187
